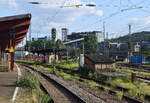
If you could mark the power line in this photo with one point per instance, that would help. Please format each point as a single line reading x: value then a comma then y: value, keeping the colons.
x: 111, y: 15
x: 52, y: 17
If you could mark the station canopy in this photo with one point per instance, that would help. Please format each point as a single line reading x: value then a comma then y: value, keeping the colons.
x: 13, y: 29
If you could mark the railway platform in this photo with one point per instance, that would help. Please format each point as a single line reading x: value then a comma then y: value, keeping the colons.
x: 7, y: 85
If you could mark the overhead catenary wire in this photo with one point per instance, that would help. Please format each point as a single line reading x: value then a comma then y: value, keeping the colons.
x: 134, y: 6
x: 101, y: 20
x: 52, y: 17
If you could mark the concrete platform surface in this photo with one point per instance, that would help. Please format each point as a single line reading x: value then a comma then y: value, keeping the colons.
x: 7, y: 85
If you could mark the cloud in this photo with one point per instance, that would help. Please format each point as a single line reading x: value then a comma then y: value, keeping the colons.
x: 140, y: 24
x: 49, y: 14
x: 9, y: 3
x: 98, y: 12
x: 141, y: 21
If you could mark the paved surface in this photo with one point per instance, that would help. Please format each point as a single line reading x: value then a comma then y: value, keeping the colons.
x: 7, y: 85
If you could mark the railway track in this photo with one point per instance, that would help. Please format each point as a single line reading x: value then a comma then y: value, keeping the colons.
x: 90, y: 100
x: 140, y: 68
x: 61, y: 92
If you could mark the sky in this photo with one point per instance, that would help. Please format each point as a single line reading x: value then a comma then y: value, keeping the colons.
x: 115, y: 14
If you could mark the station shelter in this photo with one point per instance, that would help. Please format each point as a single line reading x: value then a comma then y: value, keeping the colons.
x: 13, y: 30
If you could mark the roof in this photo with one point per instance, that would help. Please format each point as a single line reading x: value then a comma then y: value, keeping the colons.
x: 18, y: 25
x: 73, y: 41
x: 99, y: 59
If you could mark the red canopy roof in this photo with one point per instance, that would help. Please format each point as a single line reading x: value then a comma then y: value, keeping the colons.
x: 13, y: 27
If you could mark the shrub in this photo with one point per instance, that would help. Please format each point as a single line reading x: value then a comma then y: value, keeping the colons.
x: 43, y: 98
x: 29, y: 81
x: 140, y: 91
x: 119, y: 95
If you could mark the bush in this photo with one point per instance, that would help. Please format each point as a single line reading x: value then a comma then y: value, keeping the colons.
x: 119, y: 95
x: 29, y: 81
x: 122, y: 81
x: 140, y: 91
x: 43, y: 98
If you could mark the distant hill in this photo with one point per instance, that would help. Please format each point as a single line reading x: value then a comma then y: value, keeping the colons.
x: 135, y: 37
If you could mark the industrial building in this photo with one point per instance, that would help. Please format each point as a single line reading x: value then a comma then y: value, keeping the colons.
x: 65, y: 32
x: 79, y: 35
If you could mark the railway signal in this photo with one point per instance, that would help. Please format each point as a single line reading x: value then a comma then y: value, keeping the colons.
x: 53, y: 32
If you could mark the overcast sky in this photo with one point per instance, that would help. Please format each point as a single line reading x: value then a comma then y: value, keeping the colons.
x: 117, y: 14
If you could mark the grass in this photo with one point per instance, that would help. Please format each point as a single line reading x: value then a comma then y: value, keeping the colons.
x: 91, y: 84
x: 70, y: 64
x: 146, y: 66
x: 122, y: 81
x: 132, y: 71
x: 25, y: 61
x: 119, y: 95
x: 31, y: 81
x: 44, y: 68
x: 67, y: 76
x: 61, y: 73
x: 140, y: 91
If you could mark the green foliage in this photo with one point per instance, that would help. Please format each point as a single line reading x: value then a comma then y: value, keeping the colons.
x: 29, y: 62
x: 82, y: 71
x: 32, y: 82
x: 44, y: 98
x: 119, y: 95
x: 44, y: 68
x: 131, y: 71
x: 70, y: 64
x: 122, y: 81
x: 73, y: 52
x: 19, y: 48
x: 59, y: 44
x: 91, y: 44
x: 29, y: 81
x: 36, y: 45
x: 135, y: 37
x: 92, y: 84
x: 146, y: 52
x: 67, y: 76
x: 140, y: 91
x: 93, y: 75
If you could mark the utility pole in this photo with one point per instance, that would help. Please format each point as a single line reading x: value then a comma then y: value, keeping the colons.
x: 107, y: 45
x: 30, y: 33
x: 104, y: 30
x: 104, y: 38
x: 129, y: 44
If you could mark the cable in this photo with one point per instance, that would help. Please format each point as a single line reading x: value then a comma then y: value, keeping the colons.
x: 52, y: 18
x: 111, y: 15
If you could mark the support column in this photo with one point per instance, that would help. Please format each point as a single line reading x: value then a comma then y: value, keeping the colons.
x: 11, y: 61
x: 11, y: 49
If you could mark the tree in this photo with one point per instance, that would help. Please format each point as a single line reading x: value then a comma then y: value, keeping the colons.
x: 36, y: 45
x: 146, y: 52
x: 91, y: 44
x: 20, y: 48
x: 73, y: 52
x: 59, y: 44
